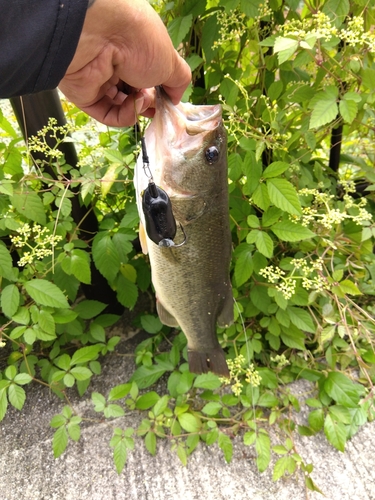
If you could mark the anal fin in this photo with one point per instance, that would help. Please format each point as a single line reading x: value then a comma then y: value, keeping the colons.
x: 212, y: 360
x: 165, y: 316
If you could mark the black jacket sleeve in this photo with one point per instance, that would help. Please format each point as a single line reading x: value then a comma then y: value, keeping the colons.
x: 38, y: 39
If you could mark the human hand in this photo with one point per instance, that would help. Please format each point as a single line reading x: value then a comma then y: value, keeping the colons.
x: 124, y: 52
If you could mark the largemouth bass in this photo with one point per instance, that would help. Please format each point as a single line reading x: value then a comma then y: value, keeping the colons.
x: 187, y: 151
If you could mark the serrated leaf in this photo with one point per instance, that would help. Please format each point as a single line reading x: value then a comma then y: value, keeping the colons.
x: 10, y: 300
x: 120, y: 454
x: 335, y: 433
x: 243, y: 267
x: 74, y: 431
x: 119, y: 392
x: 337, y: 10
x: 189, y: 422
x: 275, y: 169
x: 150, y: 442
x: 261, y: 197
x: 88, y: 309
x: 264, y: 244
x: 127, y: 292
x: 46, y: 322
x: 349, y: 287
x: 113, y: 411
x: 285, y: 47
x: 179, y: 28
x: 284, y: 195
x: 289, y: 231
x: 145, y: 376
x: 81, y: 373
x: 348, y: 110
x: 59, y: 441
x: 22, y: 378
x: 146, y: 401
x: 80, y: 265
x: 17, y: 396
x: 226, y: 445
x: 302, y: 319
x: 283, y: 465
x: 211, y: 408
x: 316, y: 420
x: 343, y: 390
x: 207, y: 381
x: 324, y: 111
x: 46, y: 293
x: 294, y: 338
x: 263, y: 450
x: 6, y: 263
x: 85, y: 354
x: 30, y: 206
x: 105, y: 255
x: 151, y: 324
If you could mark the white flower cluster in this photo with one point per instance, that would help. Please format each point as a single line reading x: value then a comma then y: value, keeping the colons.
x: 41, y: 238
x: 237, y: 370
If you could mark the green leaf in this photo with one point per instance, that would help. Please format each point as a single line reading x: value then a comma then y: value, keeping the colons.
x: 119, y: 392
x: 113, y: 411
x: 347, y: 286
x: 46, y: 293
x: 290, y: 231
x: 120, y: 454
x: 293, y: 337
x: 316, y: 420
x: 283, y: 465
x: 264, y: 244
x: 151, y: 324
x: 343, y: 390
x: 284, y: 196
x: 348, y: 110
x: 145, y: 376
x: 30, y: 206
x: 46, y: 322
x: 6, y: 263
x: 105, y: 255
x: 10, y: 300
x: 81, y: 373
x: 147, y: 400
x: 150, y: 442
x: 275, y: 169
x: 226, y: 445
x: 22, y: 378
x: 285, y: 47
x: 261, y: 197
x: 179, y: 28
x: 74, y: 431
x: 337, y: 10
x: 127, y: 292
x: 59, y: 441
x: 263, y: 450
x: 17, y: 396
x: 212, y: 408
x: 190, y: 422
x: 324, y: 108
x: 243, y: 268
x: 302, y: 319
x: 88, y: 309
x: 85, y: 354
x: 207, y: 381
x: 80, y: 265
x: 335, y: 433
x: 194, y: 61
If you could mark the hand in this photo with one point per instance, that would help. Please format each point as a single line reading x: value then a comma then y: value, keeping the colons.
x: 123, y: 52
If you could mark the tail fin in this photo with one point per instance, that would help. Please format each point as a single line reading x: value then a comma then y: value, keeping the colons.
x: 212, y: 360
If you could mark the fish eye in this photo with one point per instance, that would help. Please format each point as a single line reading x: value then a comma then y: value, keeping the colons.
x: 212, y: 154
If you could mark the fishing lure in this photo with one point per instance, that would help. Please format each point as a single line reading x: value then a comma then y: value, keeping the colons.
x: 160, y: 223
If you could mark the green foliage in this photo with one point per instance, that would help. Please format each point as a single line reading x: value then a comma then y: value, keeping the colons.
x: 296, y: 85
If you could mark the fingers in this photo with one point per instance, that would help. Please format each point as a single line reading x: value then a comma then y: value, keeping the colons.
x: 125, y: 112
x: 179, y: 80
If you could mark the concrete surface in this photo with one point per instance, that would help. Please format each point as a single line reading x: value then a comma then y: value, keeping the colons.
x: 85, y: 471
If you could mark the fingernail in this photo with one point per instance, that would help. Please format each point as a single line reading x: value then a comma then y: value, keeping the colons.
x: 139, y: 105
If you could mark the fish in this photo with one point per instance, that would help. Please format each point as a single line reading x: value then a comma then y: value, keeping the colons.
x: 187, y: 155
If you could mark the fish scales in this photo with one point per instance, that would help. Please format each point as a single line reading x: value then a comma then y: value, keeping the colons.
x: 192, y: 282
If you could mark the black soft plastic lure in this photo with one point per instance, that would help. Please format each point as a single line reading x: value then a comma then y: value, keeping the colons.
x: 160, y: 223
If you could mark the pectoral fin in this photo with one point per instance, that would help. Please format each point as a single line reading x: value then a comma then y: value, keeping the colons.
x: 165, y: 316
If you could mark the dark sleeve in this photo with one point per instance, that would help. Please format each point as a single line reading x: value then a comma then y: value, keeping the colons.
x: 38, y: 39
